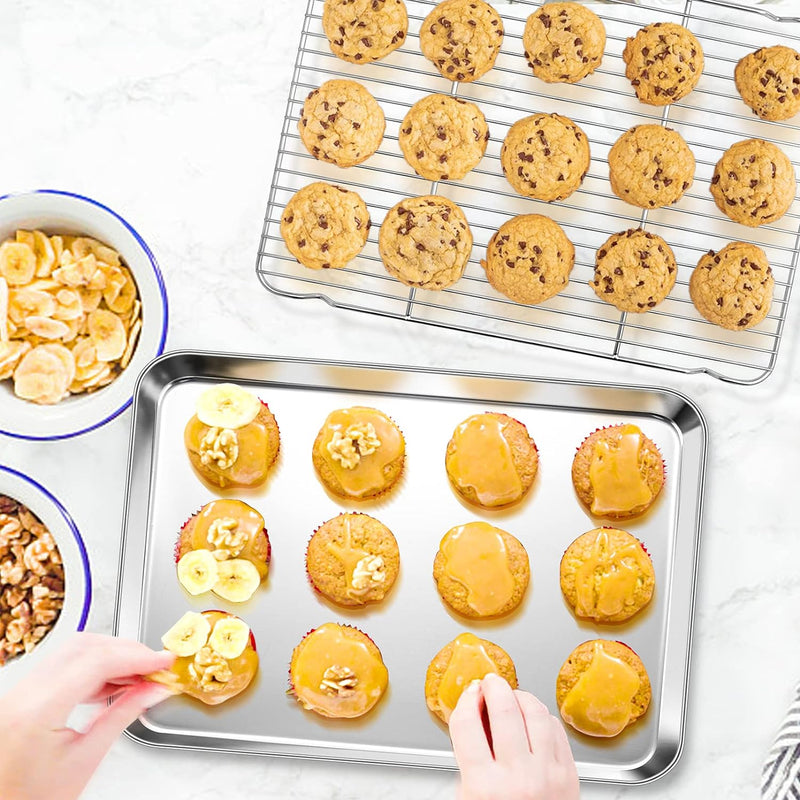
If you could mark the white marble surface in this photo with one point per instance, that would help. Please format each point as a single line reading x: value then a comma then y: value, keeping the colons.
x: 170, y: 113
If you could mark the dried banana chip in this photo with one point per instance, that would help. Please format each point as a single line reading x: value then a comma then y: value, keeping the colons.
x: 45, y: 254
x: 133, y: 337
x: 41, y: 376
x: 84, y: 352
x: 108, y: 335
x: 30, y: 303
x: 84, y: 245
x: 3, y: 310
x: 76, y: 273
x: 17, y: 263
x: 46, y: 328
x: 68, y: 305
x: 10, y: 355
x: 125, y: 297
x: 89, y: 300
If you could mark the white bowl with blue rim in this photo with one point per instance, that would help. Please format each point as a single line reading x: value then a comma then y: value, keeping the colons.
x: 56, y: 212
x: 77, y: 573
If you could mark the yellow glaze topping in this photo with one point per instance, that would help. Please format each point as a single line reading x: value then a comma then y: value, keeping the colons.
x: 183, y: 675
x: 252, y: 440
x: 470, y: 662
x: 475, y: 556
x: 599, y: 704
x: 383, y: 443
x: 482, y: 460
x: 350, y: 557
x: 249, y: 527
x: 607, y: 579
x: 336, y: 675
x: 617, y: 481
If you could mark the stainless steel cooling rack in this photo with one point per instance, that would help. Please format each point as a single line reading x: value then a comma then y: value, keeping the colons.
x: 672, y: 336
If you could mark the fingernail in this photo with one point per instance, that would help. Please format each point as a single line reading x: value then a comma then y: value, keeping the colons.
x: 474, y: 686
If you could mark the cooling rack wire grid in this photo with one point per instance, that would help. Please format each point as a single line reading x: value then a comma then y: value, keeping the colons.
x: 711, y: 118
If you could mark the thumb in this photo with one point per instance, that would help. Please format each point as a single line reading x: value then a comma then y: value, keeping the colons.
x: 110, y: 723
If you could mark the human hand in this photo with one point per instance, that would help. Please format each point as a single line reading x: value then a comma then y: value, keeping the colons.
x: 524, y: 755
x: 39, y: 756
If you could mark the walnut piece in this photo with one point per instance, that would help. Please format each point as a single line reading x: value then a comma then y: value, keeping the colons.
x: 31, y: 580
x: 225, y: 538
x: 359, y: 439
x: 369, y: 572
x: 339, y: 681
x: 209, y: 668
x: 219, y: 446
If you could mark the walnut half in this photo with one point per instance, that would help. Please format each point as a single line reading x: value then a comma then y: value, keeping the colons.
x: 339, y: 681
x: 369, y: 572
x: 359, y: 439
x: 219, y: 446
x: 225, y: 538
x: 209, y: 668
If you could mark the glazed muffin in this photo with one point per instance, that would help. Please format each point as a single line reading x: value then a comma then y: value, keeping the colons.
x: 232, y: 439
x: 491, y: 460
x: 467, y: 658
x: 216, y: 657
x: 481, y: 571
x: 353, y: 560
x: 223, y: 548
x: 618, y: 472
x: 607, y: 575
x: 602, y: 688
x: 359, y: 453
x: 337, y: 671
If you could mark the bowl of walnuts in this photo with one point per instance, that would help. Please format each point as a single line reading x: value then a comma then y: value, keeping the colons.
x: 45, y: 579
x: 83, y: 308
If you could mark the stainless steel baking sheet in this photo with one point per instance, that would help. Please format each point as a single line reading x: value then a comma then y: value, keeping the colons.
x: 412, y: 624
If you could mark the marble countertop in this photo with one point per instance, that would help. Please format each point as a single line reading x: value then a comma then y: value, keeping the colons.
x: 170, y: 113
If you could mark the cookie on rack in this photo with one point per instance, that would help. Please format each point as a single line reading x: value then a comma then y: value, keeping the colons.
x: 353, y: 560
x: 481, y: 571
x: 467, y: 658
x: 342, y: 123
x: 545, y: 156
x: 462, y: 38
x: 425, y: 242
x: 529, y: 259
x: 361, y: 31
x: 443, y: 137
x: 618, y: 472
x: 754, y: 182
x: 769, y: 81
x: 733, y: 288
x: 664, y: 62
x: 634, y: 270
x: 491, y: 460
x: 232, y: 439
x: 650, y: 166
x: 325, y: 226
x: 602, y: 688
x: 337, y: 671
x: 359, y: 453
x: 564, y: 42
x: 607, y: 576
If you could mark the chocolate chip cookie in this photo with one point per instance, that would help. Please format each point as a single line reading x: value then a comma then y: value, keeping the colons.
x: 754, y: 182
x: 325, y: 226
x: 564, y: 42
x: 650, y: 166
x: 769, y: 81
x: 545, y: 156
x: 361, y: 31
x: 341, y: 122
x: 529, y: 259
x: 462, y: 38
x: 634, y: 270
x: 425, y: 242
x: 664, y: 62
x: 443, y: 137
x: 733, y: 288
